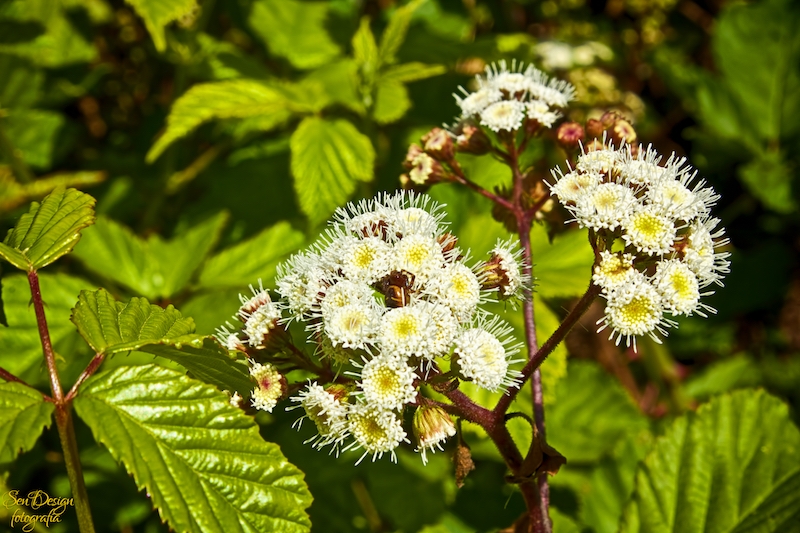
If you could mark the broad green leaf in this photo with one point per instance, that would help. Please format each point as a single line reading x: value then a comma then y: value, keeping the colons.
x: 554, y: 368
x: 769, y: 178
x: 34, y: 134
x: 23, y: 416
x: 391, y: 101
x: 328, y: 158
x: 202, y: 461
x: 365, y: 50
x: 240, y: 98
x: 224, y: 60
x: 732, y: 466
x: 395, y: 33
x: 112, y: 327
x: 411, y: 72
x: 252, y: 259
x: 158, y: 13
x: 48, y: 230
x: 154, y: 268
x: 20, y: 347
x: 723, y: 376
x: 592, y: 414
x: 562, y: 269
x: 13, y: 194
x: 294, y: 30
x: 339, y: 80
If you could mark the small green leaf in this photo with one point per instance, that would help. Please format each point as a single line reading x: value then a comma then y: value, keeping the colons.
x: 112, y: 327
x: 734, y: 465
x: 240, y: 98
x: 158, y: 13
x: 23, y: 416
x: 391, y: 101
x: 365, y: 50
x: 154, y: 268
x: 48, y: 230
x: 20, y: 346
x: 592, y: 413
x: 562, y: 269
x: 339, y: 80
x: 14, y: 194
x: 395, y: 33
x: 414, y: 71
x: 328, y: 157
x: 252, y: 259
x: 202, y: 461
x: 294, y: 30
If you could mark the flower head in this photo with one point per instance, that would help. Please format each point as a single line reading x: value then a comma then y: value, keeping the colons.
x: 375, y: 430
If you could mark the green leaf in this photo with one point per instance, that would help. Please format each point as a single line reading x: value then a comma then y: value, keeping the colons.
x: 48, y: 230
x: 391, y: 101
x: 34, y: 134
x: 20, y: 346
x: 240, y: 98
x: 23, y: 416
x: 412, y: 72
x: 13, y: 194
x: 365, y: 50
x: 395, y: 33
x: 154, y: 268
x: 734, y: 465
x: 723, y: 376
x: 769, y: 179
x: 294, y: 30
x: 252, y: 259
x: 328, y: 158
x: 562, y: 269
x: 339, y: 80
x: 201, y: 460
x: 158, y: 13
x: 592, y: 414
x: 554, y: 369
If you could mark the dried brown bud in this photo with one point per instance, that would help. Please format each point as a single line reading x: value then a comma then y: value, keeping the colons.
x: 462, y: 458
x: 594, y: 129
x: 438, y: 143
x: 471, y: 140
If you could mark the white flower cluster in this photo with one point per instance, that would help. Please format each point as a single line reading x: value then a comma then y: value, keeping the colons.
x: 388, y: 299
x: 506, y: 98
x: 659, y: 241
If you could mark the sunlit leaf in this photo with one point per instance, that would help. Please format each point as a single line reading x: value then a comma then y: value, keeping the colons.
x: 395, y: 33
x: 158, y: 13
x: 564, y: 268
x: 328, y: 158
x: 48, y: 230
x: 202, y: 461
x: 14, y: 193
x: 734, y: 465
x: 23, y: 416
x: 408, y: 72
x: 391, y: 101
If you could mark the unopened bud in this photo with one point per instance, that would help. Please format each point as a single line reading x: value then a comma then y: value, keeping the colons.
x: 570, y: 134
x: 270, y: 386
x: 594, y: 129
x: 470, y: 139
x: 438, y: 143
x: 448, y: 242
x: 432, y: 426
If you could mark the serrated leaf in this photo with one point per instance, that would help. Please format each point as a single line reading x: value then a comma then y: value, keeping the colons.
x: 48, y: 230
x: 158, y: 13
x: 726, y: 467
x: 391, y: 101
x: 240, y: 98
x: 294, y: 30
x: 395, y: 33
x: 23, y: 416
x: 112, y: 327
x: 592, y: 413
x: 328, y: 158
x: 154, y: 268
x: 365, y: 49
x: 562, y: 269
x: 252, y: 259
x: 201, y: 460
x: 20, y: 346
x: 413, y: 71
x: 14, y: 194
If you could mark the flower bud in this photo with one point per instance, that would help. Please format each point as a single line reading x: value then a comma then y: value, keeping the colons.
x: 470, y: 139
x: 438, y: 143
x: 432, y: 426
x: 423, y: 169
x: 594, y: 129
x: 270, y: 386
x: 570, y: 134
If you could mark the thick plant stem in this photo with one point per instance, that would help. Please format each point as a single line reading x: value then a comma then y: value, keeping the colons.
x: 63, y: 414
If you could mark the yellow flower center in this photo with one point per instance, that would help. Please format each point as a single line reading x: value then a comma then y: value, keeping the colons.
x: 636, y: 311
x: 405, y: 326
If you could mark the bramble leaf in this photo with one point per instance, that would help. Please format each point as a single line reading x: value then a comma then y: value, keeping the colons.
x: 395, y: 33
x: 153, y: 267
x: 391, y: 101
x: 23, y: 416
x: 413, y: 71
x: 328, y: 158
x: 734, y: 465
x: 158, y: 13
x: 294, y: 30
x: 48, y: 230
x: 112, y: 327
x: 202, y: 461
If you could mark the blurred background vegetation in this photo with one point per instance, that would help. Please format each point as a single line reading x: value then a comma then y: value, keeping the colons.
x: 219, y: 135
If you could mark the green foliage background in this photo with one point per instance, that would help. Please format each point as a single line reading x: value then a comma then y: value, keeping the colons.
x: 218, y: 137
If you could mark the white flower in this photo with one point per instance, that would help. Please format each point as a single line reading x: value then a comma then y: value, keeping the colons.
x: 432, y: 426
x: 574, y: 185
x: 673, y: 199
x: 415, y: 221
x: 271, y: 385
x: 476, y: 102
x: 679, y: 288
x: 699, y: 251
x: 601, y: 161
x: 457, y: 287
x: 615, y: 270
x: 387, y: 382
x: 482, y: 355
x: 250, y: 304
x: 365, y: 260
x: 345, y: 292
x: 445, y: 326
x: 408, y: 331
x: 539, y: 111
x: 641, y: 169
x: 327, y: 411
x: 649, y: 231
x: 605, y: 206
x: 634, y: 309
x: 556, y: 93
x: 260, y: 323
x: 510, y: 82
x: 420, y: 255
x: 375, y: 430
x: 503, y: 271
x: 504, y: 115
x: 354, y: 325
x: 300, y: 281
